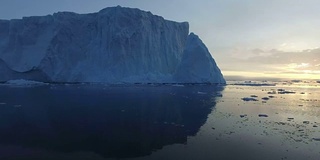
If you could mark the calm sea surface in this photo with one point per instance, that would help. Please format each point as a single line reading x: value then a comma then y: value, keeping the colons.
x: 160, y: 122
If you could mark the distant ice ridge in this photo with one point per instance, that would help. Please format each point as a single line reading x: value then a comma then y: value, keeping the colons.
x: 115, y: 45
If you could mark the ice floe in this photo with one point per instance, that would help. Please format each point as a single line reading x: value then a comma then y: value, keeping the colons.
x: 249, y: 99
x: 263, y: 115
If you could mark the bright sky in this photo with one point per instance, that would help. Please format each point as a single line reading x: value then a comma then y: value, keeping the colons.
x: 251, y: 38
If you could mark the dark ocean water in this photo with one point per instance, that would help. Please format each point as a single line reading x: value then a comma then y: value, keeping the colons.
x: 160, y: 122
x: 100, y: 122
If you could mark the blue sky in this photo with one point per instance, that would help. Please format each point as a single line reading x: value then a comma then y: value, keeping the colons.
x: 255, y: 38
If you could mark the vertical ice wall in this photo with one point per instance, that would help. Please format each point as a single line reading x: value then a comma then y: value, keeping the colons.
x: 115, y: 45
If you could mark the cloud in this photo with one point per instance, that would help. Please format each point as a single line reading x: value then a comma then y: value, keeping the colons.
x: 303, y: 59
x: 300, y: 72
x: 257, y: 51
x: 276, y: 62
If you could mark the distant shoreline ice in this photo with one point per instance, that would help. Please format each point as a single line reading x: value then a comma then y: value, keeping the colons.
x: 23, y: 82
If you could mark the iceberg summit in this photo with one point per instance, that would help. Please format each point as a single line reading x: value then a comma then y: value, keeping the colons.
x: 114, y: 45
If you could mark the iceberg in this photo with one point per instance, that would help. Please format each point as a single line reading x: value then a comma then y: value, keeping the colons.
x: 197, y: 64
x: 114, y: 45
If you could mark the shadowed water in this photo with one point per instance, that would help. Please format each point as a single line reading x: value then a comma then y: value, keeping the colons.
x: 97, y: 121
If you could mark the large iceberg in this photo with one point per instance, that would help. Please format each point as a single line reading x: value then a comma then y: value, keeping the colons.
x: 115, y: 45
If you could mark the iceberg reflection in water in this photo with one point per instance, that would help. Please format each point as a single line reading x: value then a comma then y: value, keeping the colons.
x: 97, y: 121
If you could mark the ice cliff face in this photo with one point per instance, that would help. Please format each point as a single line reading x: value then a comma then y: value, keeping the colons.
x: 115, y: 45
x: 197, y: 64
